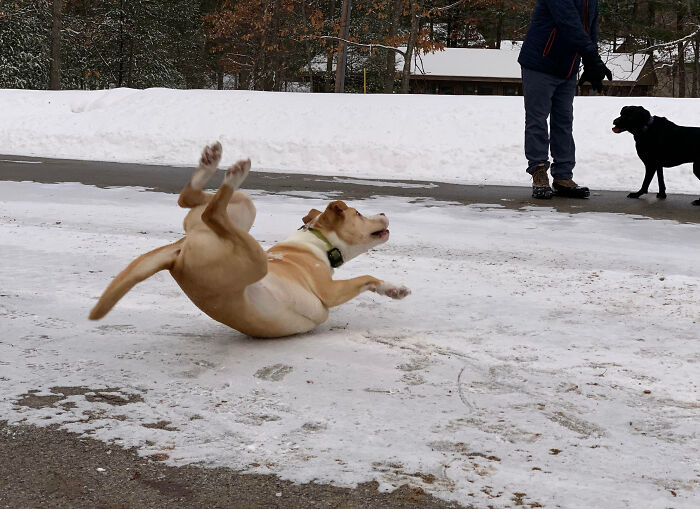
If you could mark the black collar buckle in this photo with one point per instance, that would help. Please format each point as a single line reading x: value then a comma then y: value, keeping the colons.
x: 335, y: 257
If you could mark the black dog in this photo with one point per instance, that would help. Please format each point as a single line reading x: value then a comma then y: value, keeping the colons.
x: 660, y: 144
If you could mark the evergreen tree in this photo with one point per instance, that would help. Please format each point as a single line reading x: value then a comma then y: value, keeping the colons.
x: 24, y: 43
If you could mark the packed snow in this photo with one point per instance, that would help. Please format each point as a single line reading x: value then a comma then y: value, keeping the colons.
x: 543, y: 358
x: 462, y: 139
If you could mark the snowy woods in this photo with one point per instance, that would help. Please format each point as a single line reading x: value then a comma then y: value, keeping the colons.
x: 277, y: 44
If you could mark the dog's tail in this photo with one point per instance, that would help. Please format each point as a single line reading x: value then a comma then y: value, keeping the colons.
x: 142, y: 268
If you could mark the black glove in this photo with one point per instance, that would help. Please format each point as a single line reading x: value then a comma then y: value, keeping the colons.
x: 594, y: 70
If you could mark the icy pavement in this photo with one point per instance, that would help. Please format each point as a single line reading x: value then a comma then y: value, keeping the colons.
x: 544, y: 359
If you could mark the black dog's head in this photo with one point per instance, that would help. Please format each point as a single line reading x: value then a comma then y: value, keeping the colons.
x: 632, y: 118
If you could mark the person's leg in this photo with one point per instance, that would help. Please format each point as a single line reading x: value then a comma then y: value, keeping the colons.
x: 561, y: 130
x: 538, y: 89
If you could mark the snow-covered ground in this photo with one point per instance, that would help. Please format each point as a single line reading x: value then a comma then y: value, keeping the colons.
x: 464, y: 139
x: 543, y: 358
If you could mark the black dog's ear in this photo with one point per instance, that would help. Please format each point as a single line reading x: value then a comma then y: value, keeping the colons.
x: 624, y: 109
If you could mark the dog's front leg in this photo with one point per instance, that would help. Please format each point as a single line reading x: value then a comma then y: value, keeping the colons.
x: 661, y: 195
x: 650, y: 170
x: 342, y: 291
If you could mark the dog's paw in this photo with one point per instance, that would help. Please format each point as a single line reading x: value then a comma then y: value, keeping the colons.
x: 393, y: 291
x: 211, y: 155
x: 634, y: 195
x: 237, y: 173
x: 661, y: 196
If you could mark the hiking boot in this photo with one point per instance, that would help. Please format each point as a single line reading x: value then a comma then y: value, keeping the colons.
x: 570, y: 189
x: 540, y: 183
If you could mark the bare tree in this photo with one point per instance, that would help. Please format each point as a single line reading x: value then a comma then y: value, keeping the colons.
x: 329, y: 55
x: 342, y: 46
x: 414, y: 13
x: 390, y: 69
x: 680, y: 20
x: 56, y: 25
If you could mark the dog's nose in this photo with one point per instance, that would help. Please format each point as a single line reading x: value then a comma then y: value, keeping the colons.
x: 382, y: 214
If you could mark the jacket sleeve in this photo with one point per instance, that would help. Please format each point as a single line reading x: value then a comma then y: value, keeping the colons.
x: 568, y: 21
x: 594, y: 28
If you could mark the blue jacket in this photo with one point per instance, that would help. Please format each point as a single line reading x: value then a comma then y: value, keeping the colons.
x: 560, y: 33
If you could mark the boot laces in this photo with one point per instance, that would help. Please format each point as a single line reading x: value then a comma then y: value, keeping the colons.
x: 540, y: 178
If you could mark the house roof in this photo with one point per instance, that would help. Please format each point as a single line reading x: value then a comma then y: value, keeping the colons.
x: 503, y: 63
x: 467, y: 62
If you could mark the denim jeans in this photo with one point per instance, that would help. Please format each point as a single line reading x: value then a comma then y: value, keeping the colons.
x: 549, y: 96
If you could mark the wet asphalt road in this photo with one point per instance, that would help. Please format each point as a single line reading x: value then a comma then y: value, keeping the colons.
x: 47, y: 467
x: 171, y: 179
x: 50, y: 468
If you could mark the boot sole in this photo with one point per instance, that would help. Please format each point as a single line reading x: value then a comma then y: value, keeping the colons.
x: 566, y: 193
x: 544, y: 194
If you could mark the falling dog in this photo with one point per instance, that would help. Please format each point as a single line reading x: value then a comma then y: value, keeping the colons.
x: 227, y: 274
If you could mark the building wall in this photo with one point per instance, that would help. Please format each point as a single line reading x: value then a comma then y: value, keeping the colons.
x: 459, y: 87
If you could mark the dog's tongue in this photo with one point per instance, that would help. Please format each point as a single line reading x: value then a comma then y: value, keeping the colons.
x: 616, y: 129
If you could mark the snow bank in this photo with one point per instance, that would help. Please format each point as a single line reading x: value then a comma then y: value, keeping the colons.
x: 543, y: 359
x: 463, y: 139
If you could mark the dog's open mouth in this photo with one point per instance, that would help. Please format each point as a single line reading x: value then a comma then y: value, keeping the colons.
x: 616, y: 129
x: 381, y: 233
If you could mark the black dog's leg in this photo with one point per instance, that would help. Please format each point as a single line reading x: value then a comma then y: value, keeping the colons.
x: 696, y: 171
x: 650, y: 170
x: 661, y: 195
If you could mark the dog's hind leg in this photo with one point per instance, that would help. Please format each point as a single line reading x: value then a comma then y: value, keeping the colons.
x: 193, y: 194
x: 247, y: 258
x: 696, y: 172
x: 142, y: 268
x: 661, y: 195
x: 240, y: 207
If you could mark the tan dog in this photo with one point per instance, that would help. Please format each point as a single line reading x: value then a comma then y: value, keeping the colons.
x: 226, y: 273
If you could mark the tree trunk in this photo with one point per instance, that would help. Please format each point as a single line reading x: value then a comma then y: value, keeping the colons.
x: 276, y: 59
x: 499, y: 29
x: 309, y: 55
x: 681, y: 52
x: 342, y: 47
x: 681, y: 70
x: 412, y: 38
x: 129, y: 74
x: 56, y: 22
x: 329, y: 57
x: 696, y: 65
x: 259, y: 74
x: 120, y: 78
x: 390, y: 68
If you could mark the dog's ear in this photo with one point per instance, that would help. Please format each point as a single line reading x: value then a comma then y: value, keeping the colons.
x: 313, y: 214
x: 624, y: 109
x: 337, y: 207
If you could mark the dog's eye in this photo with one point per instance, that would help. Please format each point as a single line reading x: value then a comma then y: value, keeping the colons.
x: 358, y: 213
